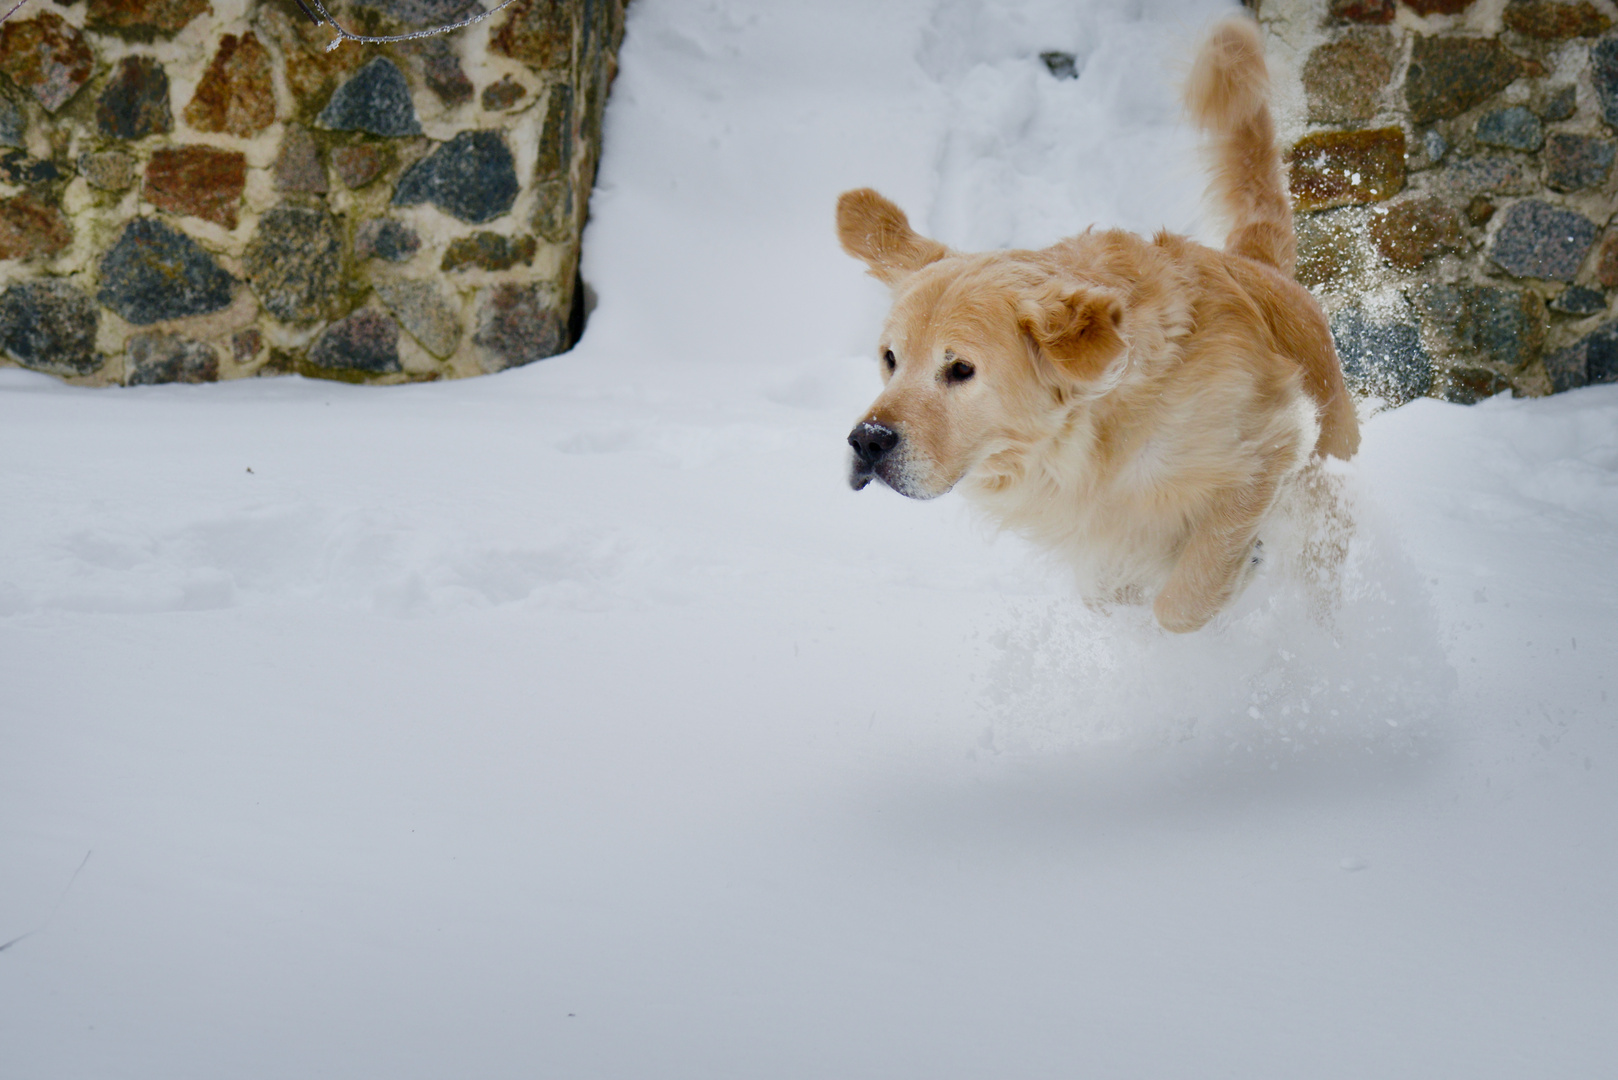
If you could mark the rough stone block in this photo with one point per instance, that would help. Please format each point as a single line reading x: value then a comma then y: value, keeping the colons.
x: 472, y: 177
x: 1344, y: 80
x: 1449, y: 75
x: 1573, y: 162
x: 1342, y: 168
x: 359, y: 164
x: 1578, y: 300
x: 1362, y: 11
x: 154, y: 357
x: 109, y: 170
x: 424, y: 312
x: 49, y: 325
x: 502, y: 95
x: 1590, y: 360
x: 1410, y: 232
x: 155, y: 272
x: 142, y: 20
x: 47, y: 57
x: 294, y: 263
x: 203, y: 181
x: 31, y: 228
x: 1551, y: 20
x: 13, y: 124
x: 488, y: 251
x: 1604, y: 74
x: 365, y: 341
x: 376, y: 99
x: 1438, y: 7
x: 1538, y: 240
x: 1502, y: 324
x: 1558, y: 103
x: 1488, y: 174
x: 135, y: 101
x: 236, y: 93
x: 297, y: 164
x: 538, y: 33
x: 1513, y: 128
x: 1381, y: 359
x: 384, y: 238
x: 518, y: 324
x: 1607, y: 261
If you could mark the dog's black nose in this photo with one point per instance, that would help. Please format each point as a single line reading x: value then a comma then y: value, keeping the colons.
x: 872, y: 442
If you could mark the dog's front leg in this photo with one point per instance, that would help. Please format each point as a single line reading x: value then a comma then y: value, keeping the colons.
x: 1211, y: 564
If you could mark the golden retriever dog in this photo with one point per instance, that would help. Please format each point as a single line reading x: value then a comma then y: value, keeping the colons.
x: 1136, y: 405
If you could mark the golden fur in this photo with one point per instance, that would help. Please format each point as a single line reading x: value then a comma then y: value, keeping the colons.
x: 1135, y: 405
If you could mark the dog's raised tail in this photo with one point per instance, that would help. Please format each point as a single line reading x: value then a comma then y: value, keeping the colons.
x: 1228, y: 95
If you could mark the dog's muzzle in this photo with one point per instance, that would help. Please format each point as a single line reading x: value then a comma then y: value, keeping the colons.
x: 872, y: 442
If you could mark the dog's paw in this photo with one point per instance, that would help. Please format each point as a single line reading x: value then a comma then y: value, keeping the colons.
x: 1181, y: 614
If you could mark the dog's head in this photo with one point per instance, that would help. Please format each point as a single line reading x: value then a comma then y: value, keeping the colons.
x: 980, y: 353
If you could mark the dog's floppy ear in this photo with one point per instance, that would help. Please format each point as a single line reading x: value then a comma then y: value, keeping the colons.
x: 1076, y: 326
x: 877, y: 232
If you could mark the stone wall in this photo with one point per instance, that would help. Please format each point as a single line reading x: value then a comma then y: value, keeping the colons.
x: 197, y: 189
x: 1452, y: 176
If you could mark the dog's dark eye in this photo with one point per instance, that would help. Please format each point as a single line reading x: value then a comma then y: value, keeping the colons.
x: 960, y: 371
x: 887, y: 359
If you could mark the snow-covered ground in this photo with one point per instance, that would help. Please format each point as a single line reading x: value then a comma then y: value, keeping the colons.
x: 580, y: 722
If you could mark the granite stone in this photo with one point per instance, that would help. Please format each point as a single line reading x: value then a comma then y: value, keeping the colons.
x: 1342, y: 168
x: 1414, y: 230
x: 155, y: 272
x: 1382, y: 359
x: 1558, y: 103
x: 385, y: 238
x: 1438, y: 7
x: 538, y: 33
x: 1578, y: 300
x: 13, y: 124
x: 1607, y: 261
x: 424, y: 312
x: 1538, y: 240
x: 365, y: 341
x: 359, y: 164
x: 1449, y: 75
x: 1488, y: 174
x: 376, y: 99
x: 31, y: 228
x: 203, y: 181
x: 46, y: 56
x: 142, y: 20
x: 502, y: 95
x: 49, y: 325
x: 1344, y: 80
x: 237, y: 93
x: 518, y: 324
x: 1591, y: 360
x: 135, y: 101
x: 294, y: 263
x: 488, y: 251
x: 1554, y: 20
x: 1573, y: 162
x: 155, y: 357
x: 108, y: 170
x: 472, y: 177
x: 1502, y: 324
x: 442, y: 71
x: 1362, y: 11
x: 1513, y: 128
x: 297, y: 164
x: 1604, y: 75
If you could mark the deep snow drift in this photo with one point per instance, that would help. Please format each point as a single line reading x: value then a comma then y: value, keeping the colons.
x: 580, y: 722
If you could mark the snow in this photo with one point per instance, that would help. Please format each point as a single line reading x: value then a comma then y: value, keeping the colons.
x: 580, y: 722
